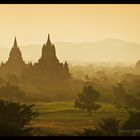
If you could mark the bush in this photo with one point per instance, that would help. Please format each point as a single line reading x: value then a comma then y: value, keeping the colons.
x: 15, y: 119
x: 133, y: 122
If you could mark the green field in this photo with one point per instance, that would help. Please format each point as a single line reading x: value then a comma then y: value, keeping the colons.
x: 62, y: 117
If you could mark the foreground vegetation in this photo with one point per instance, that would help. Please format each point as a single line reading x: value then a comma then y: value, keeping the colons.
x: 15, y: 118
x: 85, y: 116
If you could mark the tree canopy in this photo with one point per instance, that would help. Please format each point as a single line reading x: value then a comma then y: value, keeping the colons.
x: 15, y: 118
x: 86, y: 100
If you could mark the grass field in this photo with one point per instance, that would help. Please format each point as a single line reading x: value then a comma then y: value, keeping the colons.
x: 62, y: 117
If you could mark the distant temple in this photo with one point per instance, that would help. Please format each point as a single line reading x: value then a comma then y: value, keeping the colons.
x: 49, y: 64
x: 48, y: 69
x: 15, y: 63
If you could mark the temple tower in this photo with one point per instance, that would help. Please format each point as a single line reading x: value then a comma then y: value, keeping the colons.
x: 48, y: 53
x: 15, y: 56
x: 15, y: 63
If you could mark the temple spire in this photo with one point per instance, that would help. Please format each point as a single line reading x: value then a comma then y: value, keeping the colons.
x: 15, y: 42
x: 66, y: 64
x: 48, y: 41
x: 66, y: 67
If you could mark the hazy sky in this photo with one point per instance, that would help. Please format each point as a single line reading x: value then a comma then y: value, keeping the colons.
x: 68, y: 22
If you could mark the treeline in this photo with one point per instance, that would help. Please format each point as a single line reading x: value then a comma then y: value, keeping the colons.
x: 102, y: 78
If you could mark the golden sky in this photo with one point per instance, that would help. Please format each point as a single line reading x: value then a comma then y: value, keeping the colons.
x: 68, y: 22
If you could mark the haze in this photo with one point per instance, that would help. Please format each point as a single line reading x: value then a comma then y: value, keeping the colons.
x: 70, y: 23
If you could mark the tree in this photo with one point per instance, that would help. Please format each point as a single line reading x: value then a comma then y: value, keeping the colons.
x: 126, y: 100
x: 132, y: 101
x: 133, y: 122
x: 119, y: 93
x: 109, y: 126
x: 11, y: 92
x: 106, y: 127
x: 86, y: 100
x: 15, y: 118
x: 87, y: 78
x: 113, y: 127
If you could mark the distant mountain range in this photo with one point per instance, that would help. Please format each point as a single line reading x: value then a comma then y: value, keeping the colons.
x: 105, y: 50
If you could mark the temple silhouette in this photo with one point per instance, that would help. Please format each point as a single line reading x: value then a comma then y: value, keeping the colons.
x: 49, y: 64
x: 47, y: 73
x: 14, y: 64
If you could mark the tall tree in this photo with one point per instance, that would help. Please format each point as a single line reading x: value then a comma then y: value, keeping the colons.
x: 86, y: 100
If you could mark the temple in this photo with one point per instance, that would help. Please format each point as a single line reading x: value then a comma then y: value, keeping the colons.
x: 48, y: 70
x: 49, y: 66
x: 15, y: 63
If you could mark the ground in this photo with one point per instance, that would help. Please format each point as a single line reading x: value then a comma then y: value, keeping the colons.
x: 62, y: 117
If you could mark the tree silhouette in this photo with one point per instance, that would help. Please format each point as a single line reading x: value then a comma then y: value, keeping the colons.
x: 86, y: 99
x: 106, y: 127
x: 133, y: 122
x: 119, y: 92
x: 126, y: 100
x: 15, y: 118
x: 109, y: 126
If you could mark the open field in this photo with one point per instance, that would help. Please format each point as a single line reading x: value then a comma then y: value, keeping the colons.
x: 62, y: 117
